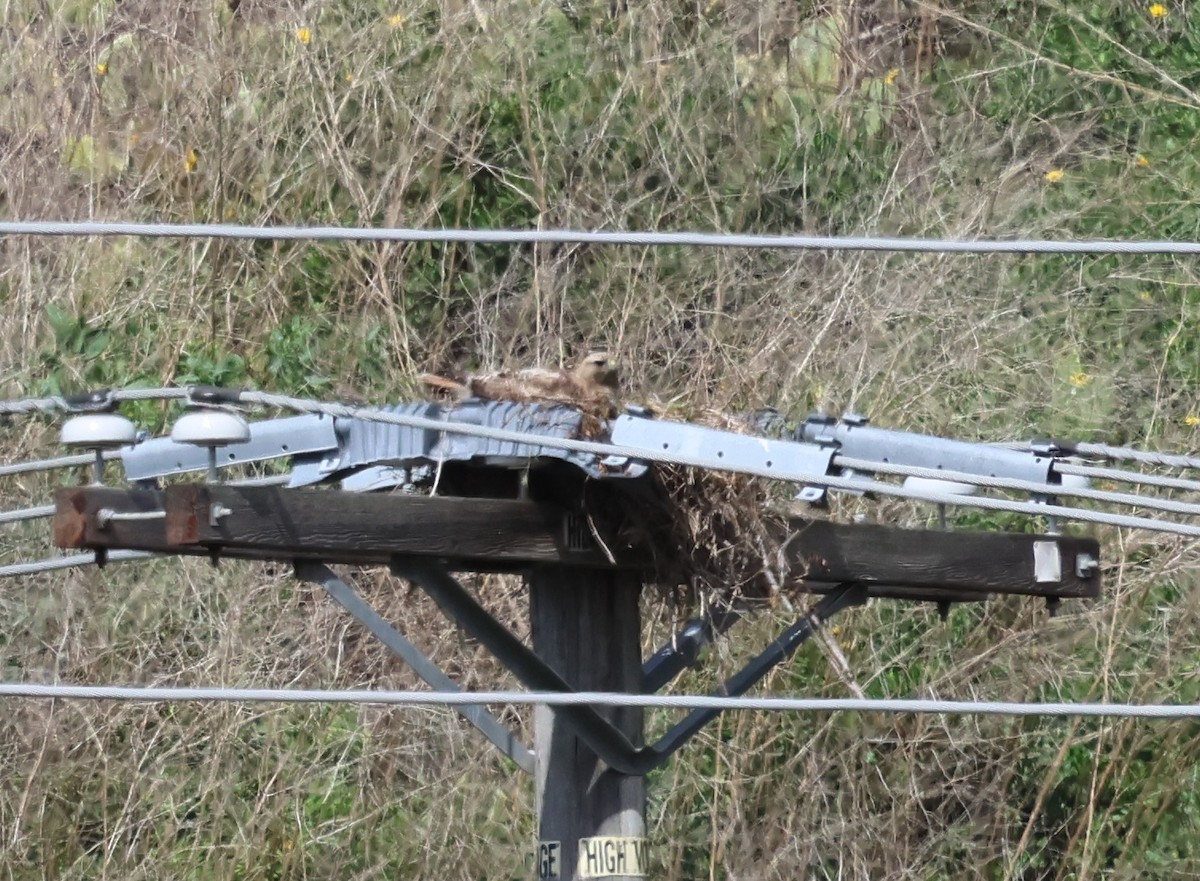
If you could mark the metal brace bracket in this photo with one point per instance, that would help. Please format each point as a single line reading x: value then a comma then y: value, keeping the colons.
x: 345, y: 596
x: 600, y: 735
x: 684, y: 649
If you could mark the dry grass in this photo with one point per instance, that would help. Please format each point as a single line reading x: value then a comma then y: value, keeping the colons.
x: 469, y: 114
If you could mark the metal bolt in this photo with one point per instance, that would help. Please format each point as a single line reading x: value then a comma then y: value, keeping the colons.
x: 1086, y: 566
x: 106, y: 516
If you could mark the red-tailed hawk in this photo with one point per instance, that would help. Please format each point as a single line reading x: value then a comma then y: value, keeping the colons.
x: 591, y: 387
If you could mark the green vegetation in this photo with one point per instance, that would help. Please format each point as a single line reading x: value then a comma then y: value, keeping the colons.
x: 980, y: 119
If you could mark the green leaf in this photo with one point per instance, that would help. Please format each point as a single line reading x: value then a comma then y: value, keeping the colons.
x: 62, y: 322
x: 95, y: 342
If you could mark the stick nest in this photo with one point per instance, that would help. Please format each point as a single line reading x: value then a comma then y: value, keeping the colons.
x: 716, y: 537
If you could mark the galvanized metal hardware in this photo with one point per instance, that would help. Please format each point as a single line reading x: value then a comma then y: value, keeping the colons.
x: 1047, y: 447
x: 213, y: 395
x: 601, y: 736
x: 95, y: 401
x: 349, y: 599
x: 106, y: 516
x: 1086, y: 566
x: 371, y: 444
x: 269, y: 439
x: 854, y: 438
x: 368, y: 456
x: 324, y: 448
x: 727, y: 447
x: 686, y: 647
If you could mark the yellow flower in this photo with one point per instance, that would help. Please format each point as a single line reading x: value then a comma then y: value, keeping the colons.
x: 892, y: 76
x: 397, y: 21
x: 1192, y: 420
x: 1141, y: 161
x: 304, y: 36
x: 190, y: 160
x: 1079, y: 380
x: 349, y: 77
x: 1054, y: 175
x: 1157, y: 10
x: 1145, y: 296
x: 230, y: 214
x: 101, y: 69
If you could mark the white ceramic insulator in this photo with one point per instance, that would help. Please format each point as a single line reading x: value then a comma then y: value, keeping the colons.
x: 1074, y: 481
x: 98, y: 431
x: 210, y: 428
x: 943, y: 487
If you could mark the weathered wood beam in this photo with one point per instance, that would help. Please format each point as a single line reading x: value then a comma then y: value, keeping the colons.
x: 77, y: 521
x: 507, y: 534
x: 372, y: 528
x: 988, y: 562
x: 282, y: 524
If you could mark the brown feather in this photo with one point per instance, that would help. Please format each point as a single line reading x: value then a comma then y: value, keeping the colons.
x: 590, y: 387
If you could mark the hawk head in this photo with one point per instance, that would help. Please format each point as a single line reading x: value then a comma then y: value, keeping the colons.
x: 598, y: 369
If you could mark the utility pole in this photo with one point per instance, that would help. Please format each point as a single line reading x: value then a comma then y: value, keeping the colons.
x: 589, y: 762
x: 591, y: 819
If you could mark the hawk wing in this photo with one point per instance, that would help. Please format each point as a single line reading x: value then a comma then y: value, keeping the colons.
x: 531, y: 385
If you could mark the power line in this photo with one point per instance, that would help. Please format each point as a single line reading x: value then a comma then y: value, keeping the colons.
x: 10, y: 468
x: 1015, y: 484
x: 1127, y: 476
x: 22, y: 514
x: 61, y: 403
x: 54, y: 564
x: 593, y: 698
x: 1129, y: 454
x: 583, y: 237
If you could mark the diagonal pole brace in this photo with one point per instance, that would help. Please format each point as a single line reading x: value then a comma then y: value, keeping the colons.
x: 608, y: 743
x: 684, y: 649
x: 772, y: 656
x: 613, y: 747
x: 345, y: 596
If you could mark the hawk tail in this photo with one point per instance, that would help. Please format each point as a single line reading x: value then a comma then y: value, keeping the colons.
x: 455, y: 390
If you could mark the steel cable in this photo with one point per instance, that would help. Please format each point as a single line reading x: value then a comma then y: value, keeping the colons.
x: 1123, y: 476
x: 54, y: 564
x: 590, y: 237
x: 594, y: 698
x: 1012, y: 483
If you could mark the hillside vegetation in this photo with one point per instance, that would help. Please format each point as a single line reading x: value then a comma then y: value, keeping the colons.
x: 985, y: 119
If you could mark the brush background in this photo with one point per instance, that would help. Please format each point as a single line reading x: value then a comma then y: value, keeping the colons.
x: 967, y: 119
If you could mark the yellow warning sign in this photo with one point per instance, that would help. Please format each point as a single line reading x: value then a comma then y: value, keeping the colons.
x: 607, y: 857
x: 549, y: 860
